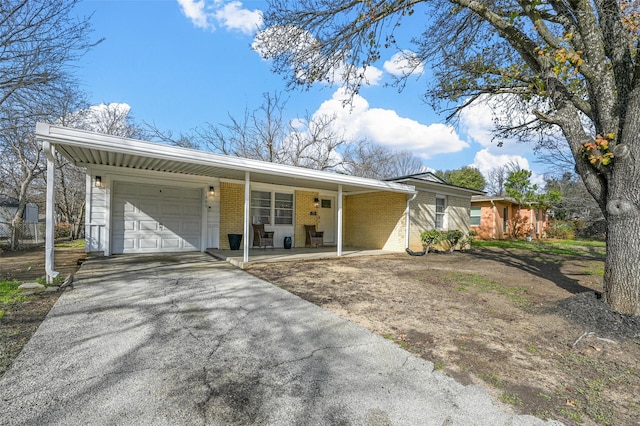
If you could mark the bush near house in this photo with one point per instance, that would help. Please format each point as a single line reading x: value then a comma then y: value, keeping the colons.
x: 434, y: 239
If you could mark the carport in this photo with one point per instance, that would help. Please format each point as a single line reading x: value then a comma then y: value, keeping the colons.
x: 144, y: 197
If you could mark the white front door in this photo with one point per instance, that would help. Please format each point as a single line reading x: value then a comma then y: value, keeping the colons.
x: 327, y: 219
x: 155, y: 218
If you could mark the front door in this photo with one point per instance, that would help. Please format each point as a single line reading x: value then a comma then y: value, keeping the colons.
x: 327, y: 219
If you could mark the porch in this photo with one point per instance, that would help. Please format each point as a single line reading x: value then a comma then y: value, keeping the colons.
x: 259, y: 255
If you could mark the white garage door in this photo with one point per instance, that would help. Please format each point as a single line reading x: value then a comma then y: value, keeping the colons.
x: 153, y: 218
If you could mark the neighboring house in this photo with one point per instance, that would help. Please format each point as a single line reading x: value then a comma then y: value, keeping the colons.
x: 8, y: 209
x: 495, y: 217
x: 437, y: 205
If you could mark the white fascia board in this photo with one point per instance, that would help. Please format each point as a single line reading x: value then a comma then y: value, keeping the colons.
x: 92, y: 140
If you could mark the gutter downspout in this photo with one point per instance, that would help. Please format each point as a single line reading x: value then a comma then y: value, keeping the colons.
x: 50, y: 211
x: 408, y: 224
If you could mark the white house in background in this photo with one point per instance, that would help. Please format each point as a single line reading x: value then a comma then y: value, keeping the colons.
x: 146, y: 197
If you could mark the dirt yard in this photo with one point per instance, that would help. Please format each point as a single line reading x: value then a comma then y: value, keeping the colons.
x: 527, y: 326
x: 21, y: 320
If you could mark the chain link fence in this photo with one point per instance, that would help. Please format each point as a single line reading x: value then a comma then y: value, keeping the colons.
x: 28, y: 234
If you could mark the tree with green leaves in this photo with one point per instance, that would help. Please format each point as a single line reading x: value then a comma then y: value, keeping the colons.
x: 466, y: 177
x: 560, y: 67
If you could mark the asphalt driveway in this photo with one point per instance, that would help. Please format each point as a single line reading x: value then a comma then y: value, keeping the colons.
x: 186, y: 340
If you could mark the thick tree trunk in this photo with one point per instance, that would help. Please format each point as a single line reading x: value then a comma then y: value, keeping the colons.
x: 622, y: 266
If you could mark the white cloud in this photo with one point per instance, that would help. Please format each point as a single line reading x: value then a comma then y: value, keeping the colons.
x: 477, y: 121
x: 229, y: 14
x: 234, y: 17
x: 484, y: 160
x: 195, y: 11
x: 386, y: 127
x: 403, y: 64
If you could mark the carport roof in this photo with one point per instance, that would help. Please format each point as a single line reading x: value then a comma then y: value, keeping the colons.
x: 86, y: 149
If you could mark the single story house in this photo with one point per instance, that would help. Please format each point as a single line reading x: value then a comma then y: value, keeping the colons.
x: 144, y: 197
x: 494, y: 218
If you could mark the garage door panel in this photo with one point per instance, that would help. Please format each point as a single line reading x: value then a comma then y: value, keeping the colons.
x: 125, y: 188
x: 190, y: 228
x: 148, y: 225
x: 154, y: 218
x: 173, y: 243
x: 129, y: 208
x: 172, y: 209
x: 148, y: 243
x: 150, y: 208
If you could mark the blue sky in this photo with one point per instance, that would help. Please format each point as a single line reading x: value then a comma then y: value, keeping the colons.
x: 183, y: 63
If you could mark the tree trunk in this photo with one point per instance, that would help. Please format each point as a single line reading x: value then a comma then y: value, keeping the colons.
x: 622, y: 265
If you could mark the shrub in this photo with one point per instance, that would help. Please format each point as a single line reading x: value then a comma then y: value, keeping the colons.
x: 431, y: 238
x: 561, y: 230
x: 62, y: 231
x: 466, y: 242
x: 453, y: 237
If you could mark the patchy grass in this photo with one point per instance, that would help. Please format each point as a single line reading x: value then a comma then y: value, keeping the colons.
x: 9, y: 292
x: 464, y: 281
x: 595, y: 249
x: 596, y: 270
x: 71, y: 244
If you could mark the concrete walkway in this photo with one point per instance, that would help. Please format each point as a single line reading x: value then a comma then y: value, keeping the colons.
x: 186, y: 340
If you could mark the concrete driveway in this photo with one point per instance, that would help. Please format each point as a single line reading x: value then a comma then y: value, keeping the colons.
x: 186, y: 340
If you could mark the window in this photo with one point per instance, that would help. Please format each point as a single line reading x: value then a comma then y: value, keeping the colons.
x: 505, y: 218
x: 475, y: 215
x: 440, y: 209
x: 283, y: 209
x: 261, y: 207
x: 265, y: 205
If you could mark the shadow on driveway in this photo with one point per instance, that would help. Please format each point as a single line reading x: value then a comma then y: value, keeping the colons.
x: 185, y: 339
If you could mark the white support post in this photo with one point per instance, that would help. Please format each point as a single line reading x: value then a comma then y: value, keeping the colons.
x: 407, y: 235
x: 50, y: 211
x: 339, y: 221
x: 247, y: 201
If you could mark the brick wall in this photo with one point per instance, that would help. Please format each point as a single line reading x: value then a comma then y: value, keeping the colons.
x: 375, y: 220
x: 304, y: 205
x: 423, y: 217
x: 231, y: 211
x: 458, y: 213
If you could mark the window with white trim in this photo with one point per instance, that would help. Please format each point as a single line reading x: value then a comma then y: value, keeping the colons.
x: 261, y: 207
x: 441, y: 206
x: 266, y: 205
x: 475, y: 215
x: 283, y: 209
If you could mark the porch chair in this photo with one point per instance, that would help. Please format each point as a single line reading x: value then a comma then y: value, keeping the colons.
x: 262, y: 238
x: 313, y: 238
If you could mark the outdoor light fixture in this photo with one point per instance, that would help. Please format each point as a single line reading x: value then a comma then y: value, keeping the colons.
x: 98, y: 181
x: 316, y: 202
x: 211, y: 190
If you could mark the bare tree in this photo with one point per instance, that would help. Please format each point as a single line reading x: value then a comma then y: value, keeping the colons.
x: 497, y: 177
x: 39, y: 39
x: 367, y: 159
x: 21, y: 164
